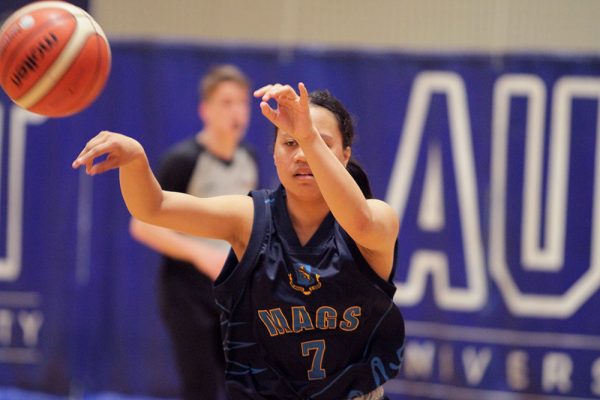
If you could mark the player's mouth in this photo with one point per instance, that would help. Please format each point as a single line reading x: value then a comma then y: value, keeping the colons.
x: 304, y: 175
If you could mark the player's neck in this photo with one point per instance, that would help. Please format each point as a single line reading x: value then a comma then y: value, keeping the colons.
x: 222, y: 147
x: 306, y: 217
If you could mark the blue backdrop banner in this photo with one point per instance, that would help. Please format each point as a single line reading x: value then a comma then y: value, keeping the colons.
x: 492, y: 163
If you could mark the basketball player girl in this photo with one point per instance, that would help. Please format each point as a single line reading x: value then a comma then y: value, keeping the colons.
x: 306, y: 293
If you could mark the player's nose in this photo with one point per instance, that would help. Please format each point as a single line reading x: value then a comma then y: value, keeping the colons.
x: 299, y: 155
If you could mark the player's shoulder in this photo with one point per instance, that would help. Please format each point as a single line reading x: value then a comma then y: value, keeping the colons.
x: 263, y: 199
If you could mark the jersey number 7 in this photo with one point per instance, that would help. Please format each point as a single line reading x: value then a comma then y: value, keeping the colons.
x: 316, y: 370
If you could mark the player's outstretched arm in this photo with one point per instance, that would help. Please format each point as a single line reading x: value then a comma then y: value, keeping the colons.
x: 226, y: 217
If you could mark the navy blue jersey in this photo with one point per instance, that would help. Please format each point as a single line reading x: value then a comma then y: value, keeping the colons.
x: 305, y: 322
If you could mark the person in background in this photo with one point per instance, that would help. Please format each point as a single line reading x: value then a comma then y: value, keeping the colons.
x: 211, y: 163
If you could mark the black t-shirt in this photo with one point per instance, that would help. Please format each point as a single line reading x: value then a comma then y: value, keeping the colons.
x: 188, y: 167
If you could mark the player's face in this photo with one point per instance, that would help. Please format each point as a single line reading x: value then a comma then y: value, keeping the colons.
x: 290, y: 162
x: 227, y: 111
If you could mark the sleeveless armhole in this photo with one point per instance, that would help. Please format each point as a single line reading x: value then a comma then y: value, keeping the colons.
x: 232, y: 276
x: 363, y: 266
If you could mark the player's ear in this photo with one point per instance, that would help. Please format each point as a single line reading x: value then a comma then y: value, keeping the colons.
x: 347, y: 154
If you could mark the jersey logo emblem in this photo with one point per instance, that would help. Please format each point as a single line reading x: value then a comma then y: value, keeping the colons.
x: 303, y: 279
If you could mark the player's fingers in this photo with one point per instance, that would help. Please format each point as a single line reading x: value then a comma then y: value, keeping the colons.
x: 103, y: 166
x: 78, y: 160
x: 99, y: 138
x: 81, y: 159
x: 303, y: 94
x: 82, y: 156
x: 89, y: 146
x: 268, y: 112
x: 85, y: 149
x: 87, y: 158
x: 269, y: 93
x: 88, y: 166
x: 260, y: 92
x: 284, y: 93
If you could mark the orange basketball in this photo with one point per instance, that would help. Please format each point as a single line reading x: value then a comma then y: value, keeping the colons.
x: 54, y: 58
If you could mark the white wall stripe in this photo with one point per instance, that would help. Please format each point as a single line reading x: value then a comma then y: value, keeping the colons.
x: 428, y: 390
x: 502, y: 336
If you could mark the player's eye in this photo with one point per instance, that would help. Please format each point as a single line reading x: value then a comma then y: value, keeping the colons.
x: 290, y: 142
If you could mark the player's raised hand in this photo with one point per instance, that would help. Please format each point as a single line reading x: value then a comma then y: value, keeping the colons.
x: 118, y: 149
x: 292, y: 114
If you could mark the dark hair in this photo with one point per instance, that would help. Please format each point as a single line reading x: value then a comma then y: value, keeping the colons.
x: 324, y: 99
x: 219, y: 74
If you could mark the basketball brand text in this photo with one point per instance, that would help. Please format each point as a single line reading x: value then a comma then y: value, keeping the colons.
x: 30, y: 63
